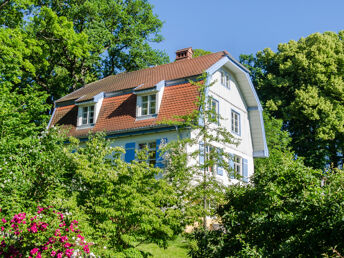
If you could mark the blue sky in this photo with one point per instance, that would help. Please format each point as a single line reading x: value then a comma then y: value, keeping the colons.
x: 243, y: 27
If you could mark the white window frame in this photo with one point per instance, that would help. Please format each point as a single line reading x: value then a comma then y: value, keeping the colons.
x: 90, y: 115
x: 149, y: 104
x: 237, y: 163
x: 217, y: 111
x: 235, y: 122
x: 151, y: 159
x: 226, y: 79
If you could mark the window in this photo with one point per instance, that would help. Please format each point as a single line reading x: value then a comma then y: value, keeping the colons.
x: 225, y: 79
x: 237, y: 165
x: 87, y: 115
x: 235, y: 122
x: 148, y: 105
x: 209, y: 153
x: 151, y: 151
x: 214, y: 107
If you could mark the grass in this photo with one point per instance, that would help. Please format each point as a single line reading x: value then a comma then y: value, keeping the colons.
x: 176, y: 248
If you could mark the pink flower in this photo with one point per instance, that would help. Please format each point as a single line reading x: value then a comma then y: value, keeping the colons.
x: 59, y: 255
x: 53, y: 253
x: 3, y: 220
x: 40, y: 209
x: 33, y: 251
x: 86, y: 249
x: 39, y: 255
x: 2, y: 228
x: 80, y: 236
x: 63, y: 239
x: 33, y: 228
x: 69, y: 252
x: 66, y: 245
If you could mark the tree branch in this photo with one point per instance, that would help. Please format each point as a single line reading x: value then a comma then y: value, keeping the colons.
x: 3, y: 4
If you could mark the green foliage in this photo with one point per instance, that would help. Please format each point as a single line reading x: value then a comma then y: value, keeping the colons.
x: 205, y: 243
x: 289, y: 210
x: 302, y: 84
x: 119, y: 31
x: 21, y: 105
x: 198, y: 190
x: 125, y: 204
x: 200, y: 52
x: 33, y: 170
x: 61, y: 49
x: 119, y: 205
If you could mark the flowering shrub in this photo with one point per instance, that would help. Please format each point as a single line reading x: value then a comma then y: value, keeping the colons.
x: 47, y: 233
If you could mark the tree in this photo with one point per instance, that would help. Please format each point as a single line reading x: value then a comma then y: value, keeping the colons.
x: 119, y: 31
x: 84, y: 42
x: 289, y: 210
x: 192, y: 161
x: 125, y: 204
x: 302, y: 84
x: 200, y: 52
x: 118, y: 205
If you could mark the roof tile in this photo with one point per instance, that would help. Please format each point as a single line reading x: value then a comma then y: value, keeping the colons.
x: 149, y: 77
x: 119, y: 112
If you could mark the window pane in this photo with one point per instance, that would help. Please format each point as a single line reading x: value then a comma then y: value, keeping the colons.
x: 235, y: 122
x: 152, y: 154
x: 84, y: 115
x: 90, y: 117
x: 142, y: 145
x: 152, y: 98
x: 145, y: 108
x: 144, y: 99
x: 152, y: 108
x: 213, y: 106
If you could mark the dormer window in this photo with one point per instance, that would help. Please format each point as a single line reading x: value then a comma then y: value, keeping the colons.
x: 149, y: 101
x: 88, y: 111
x: 225, y: 79
x: 147, y: 105
x: 87, y: 115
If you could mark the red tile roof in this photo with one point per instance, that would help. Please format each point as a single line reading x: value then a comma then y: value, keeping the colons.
x: 119, y: 113
x: 148, y: 78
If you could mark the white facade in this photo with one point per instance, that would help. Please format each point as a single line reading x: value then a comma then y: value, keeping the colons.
x: 231, y: 98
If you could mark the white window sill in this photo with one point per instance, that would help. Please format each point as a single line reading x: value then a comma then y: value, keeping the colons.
x: 139, y: 118
x: 88, y: 126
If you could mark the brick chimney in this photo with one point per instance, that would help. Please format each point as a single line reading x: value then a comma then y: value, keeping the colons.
x: 185, y: 53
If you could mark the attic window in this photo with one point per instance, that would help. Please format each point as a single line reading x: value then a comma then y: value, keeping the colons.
x: 147, y: 105
x: 225, y: 79
x: 87, y: 115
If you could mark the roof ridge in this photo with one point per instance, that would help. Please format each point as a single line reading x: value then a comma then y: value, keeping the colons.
x: 171, y: 63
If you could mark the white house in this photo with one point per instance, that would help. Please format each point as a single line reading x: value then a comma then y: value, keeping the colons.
x: 129, y: 106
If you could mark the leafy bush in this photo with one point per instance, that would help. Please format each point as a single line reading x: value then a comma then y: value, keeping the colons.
x: 289, y: 210
x: 47, y: 233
